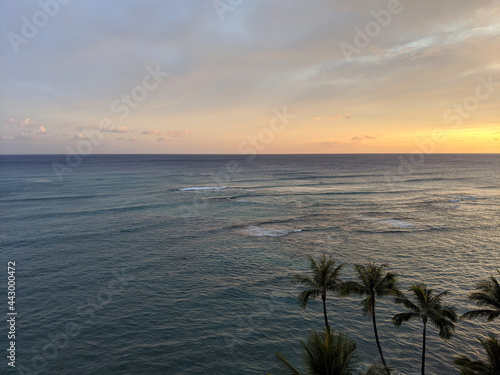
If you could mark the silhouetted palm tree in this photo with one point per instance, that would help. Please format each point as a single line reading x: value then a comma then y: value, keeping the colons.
x: 325, y: 277
x: 488, y: 297
x: 373, y: 282
x: 489, y: 367
x: 427, y: 307
x: 325, y: 353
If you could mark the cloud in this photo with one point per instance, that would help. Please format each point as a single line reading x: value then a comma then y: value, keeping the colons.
x: 10, y: 121
x: 165, y: 136
x: 356, y: 138
x: 130, y: 139
x: 152, y: 132
x: 172, y: 133
x: 26, y: 135
x: 117, y: 129
x: 25, y: 122
x: 428, y: 57
x: 24, y: 130
x: 32, y: 135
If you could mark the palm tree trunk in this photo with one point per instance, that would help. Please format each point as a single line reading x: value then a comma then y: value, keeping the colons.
x: 323, y: 297
x: 378, y: 342
x: 423, y: 348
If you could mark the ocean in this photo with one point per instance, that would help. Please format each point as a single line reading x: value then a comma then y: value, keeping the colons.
x: 181, y: 264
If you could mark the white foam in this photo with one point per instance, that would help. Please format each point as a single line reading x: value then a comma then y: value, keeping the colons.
x: 398, y: 223
x: 366, y: 218
x: 203, y: 188
x: 268, y: 232
x: 391, y: 222
x: 459, y: 197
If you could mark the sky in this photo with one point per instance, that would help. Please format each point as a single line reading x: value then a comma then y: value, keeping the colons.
x: 249, y: 76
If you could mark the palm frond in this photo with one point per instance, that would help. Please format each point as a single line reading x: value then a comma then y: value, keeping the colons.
x: 421, y: 293
x: 491, y: 364
x: 448, y: 312
x: 387, y: 286
x: 487, y: 296
x: 330, y: 353
x: 438, y: 297
x: 398, y: 319
x: 303, y: 279
x: 403, y: 300
x: 376, y: 368
x: 492, y: 347
x: 367, y: 305
x: 470, y: 367
x: 445, y: 326
x: 306, y: 295
x: 288, y: 367
x: 485, y: 299
x: 348, y: 288
x: 488, y: 314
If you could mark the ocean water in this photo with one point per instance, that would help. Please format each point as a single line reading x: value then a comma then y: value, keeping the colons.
x: 164, y: 264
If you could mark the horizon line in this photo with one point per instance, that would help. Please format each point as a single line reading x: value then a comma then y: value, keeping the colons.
x: 255, y: 155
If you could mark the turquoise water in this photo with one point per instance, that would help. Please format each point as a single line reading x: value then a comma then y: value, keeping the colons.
x: 124, y: 268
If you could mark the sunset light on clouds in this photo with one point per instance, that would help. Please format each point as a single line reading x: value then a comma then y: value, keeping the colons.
x: 196, y: 77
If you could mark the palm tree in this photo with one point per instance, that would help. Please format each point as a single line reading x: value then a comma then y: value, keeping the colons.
x: 325, y: 353
x: 373, y: 282
x: 427, y: 306
x: 325, y: 277
x: 489, y: 367
x: 487, y: 295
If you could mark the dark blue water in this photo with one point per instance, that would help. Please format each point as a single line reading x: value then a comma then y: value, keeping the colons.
x: 125, y: 266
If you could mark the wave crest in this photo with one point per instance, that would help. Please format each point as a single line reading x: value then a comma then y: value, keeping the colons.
x: 255, y: 231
